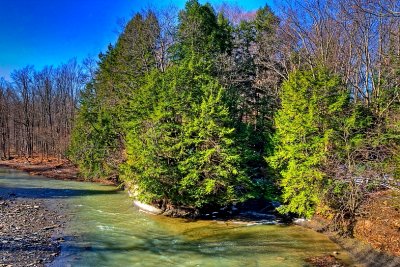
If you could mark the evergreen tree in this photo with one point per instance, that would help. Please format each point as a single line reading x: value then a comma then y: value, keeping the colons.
x: 180, y: 147
x: 98, y: 138
x: 201, y: 33
x: 210, y: 162
x: 153, y: 134
x: 304, y: 136
x: 95, y: 140
x: 252, y: 85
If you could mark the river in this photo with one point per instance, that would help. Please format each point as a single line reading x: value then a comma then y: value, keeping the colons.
x: 105, y: 229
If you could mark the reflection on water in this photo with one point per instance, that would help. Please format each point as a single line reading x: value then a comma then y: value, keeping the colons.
x: 106, y: 230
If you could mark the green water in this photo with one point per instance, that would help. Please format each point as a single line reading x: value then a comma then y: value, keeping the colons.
x: 106, y: 230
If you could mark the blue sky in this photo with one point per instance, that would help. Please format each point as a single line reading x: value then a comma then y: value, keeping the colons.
x: 49, y: 32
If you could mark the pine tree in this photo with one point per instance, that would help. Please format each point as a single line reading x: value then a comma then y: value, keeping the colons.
x: 210, y: 162
x: 304, y: 135
x: 95, y: 139
x: 180, y: 146
x: 201, y: 33
x: 153, y: 133
x: 98, y: 138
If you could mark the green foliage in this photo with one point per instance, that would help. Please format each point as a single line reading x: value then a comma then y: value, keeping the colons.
x: 94, y: 140
x: 304, y: 132
x: 210, y: 161
x: 180, y: 148
x: 179, y: 144
x: 201, y: 32
x: 251, y: 97
x: 98, y: 136
x: 266, y: 21
x: 153, y: 133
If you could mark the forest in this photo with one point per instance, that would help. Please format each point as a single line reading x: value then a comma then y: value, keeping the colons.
x: 212, y: 106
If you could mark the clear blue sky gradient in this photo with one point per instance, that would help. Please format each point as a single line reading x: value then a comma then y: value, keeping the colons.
x: 49, y: 32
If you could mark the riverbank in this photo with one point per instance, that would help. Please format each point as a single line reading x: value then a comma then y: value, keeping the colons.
x: 31, y: 228
x: 65, y: 171
x: 376, y: 239
x: 49, y: 167
x: 30, y: 231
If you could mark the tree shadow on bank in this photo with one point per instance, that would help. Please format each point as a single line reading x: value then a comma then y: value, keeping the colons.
x: 50, y: 193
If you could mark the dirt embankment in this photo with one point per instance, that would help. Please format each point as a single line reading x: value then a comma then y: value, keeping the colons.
x: 49, y: 167
x: 379, y: 224
x: 377, y: 231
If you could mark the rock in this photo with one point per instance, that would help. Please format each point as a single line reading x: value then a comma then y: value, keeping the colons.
x: 22, y: 239
x: 147, y: 208
x: 300, y: 221
x: 49, y: 227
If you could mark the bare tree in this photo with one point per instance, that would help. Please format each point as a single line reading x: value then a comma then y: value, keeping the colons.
x: 37, y: 110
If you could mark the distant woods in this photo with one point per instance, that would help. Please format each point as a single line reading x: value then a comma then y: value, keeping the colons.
x: 37, y: 109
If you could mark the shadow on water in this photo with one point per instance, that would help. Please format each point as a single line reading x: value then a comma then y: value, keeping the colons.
x: 49, y: 193
x: 170, y: 245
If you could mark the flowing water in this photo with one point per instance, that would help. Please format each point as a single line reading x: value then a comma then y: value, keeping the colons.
x: 106, y: 230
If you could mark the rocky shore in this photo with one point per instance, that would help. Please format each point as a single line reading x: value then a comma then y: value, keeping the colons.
x: 30, y: 231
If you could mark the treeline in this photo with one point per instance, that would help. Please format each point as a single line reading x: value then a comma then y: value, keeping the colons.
x: 37, y: 109
x: 210, y: 107
x: 181, y: 108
